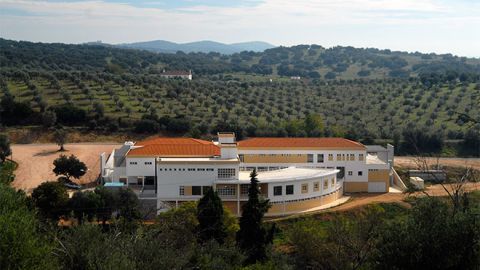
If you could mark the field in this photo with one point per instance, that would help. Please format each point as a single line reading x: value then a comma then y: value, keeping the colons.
x: 35, y: 162
x: 369, y: 109
x: 410, y: 162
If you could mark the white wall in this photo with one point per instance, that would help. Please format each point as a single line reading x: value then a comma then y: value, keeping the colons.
x: 298, y: 189
x: 169, y: 181
x: 140, y: 169
x: 353, y: 166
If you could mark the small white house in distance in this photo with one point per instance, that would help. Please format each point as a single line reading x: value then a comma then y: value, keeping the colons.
x: 177, y: 74
x: 295, y: 174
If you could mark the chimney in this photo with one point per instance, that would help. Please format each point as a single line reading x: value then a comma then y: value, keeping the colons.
x: 227, y: 144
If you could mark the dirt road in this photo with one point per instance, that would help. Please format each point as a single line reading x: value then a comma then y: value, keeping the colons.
x: 409, y: 162
x: 35, y: 162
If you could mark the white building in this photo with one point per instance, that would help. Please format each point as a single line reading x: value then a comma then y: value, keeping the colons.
x: 296, y: 174
x: 177, y: 74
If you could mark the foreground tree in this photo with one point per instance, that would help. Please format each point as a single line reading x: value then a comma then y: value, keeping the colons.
x: 432, y: 237
x: 252, y: 237
x: 60, y: 137
x: 84, y: 205
x: 22, y: 245
x: 210, y: 218
x: 69, y: 167
x: 5, y: 150
x: 51, y: 199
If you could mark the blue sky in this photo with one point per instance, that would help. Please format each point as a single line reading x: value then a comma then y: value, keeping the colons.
x: 442, y: 26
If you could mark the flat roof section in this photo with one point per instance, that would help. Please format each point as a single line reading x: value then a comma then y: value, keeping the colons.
x: 307, y: 143
x: 284, y: 175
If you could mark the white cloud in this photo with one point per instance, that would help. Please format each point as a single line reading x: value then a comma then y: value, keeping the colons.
x: 395, y: 24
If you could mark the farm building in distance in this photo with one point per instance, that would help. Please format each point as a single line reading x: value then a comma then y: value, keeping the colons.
x: 295, y: 174
x: 176, y: 74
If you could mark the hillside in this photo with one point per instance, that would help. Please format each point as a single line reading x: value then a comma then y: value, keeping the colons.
x: 111, y: 88
x: 205, y: 46
x: 311, y: 61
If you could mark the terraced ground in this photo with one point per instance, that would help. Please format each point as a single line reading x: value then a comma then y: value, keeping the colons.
x: 378, y: 108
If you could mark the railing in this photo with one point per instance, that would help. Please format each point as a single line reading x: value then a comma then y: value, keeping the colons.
x: 398, y: 181
x: 147, y: 191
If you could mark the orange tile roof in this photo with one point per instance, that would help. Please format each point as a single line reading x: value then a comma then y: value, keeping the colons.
x: 170, y: 141
x: 300, y: 143
x: 175, y: 147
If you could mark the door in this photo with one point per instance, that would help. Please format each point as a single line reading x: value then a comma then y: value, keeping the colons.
x: 377, y: 187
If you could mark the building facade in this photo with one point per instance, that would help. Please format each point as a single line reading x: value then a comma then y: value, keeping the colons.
x: 295, y: 174
x: 177, y: 74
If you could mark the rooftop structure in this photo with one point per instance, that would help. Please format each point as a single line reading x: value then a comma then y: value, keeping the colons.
x: 296, y: 174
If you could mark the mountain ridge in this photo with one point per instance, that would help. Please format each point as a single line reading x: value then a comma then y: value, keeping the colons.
x: 204, y: 46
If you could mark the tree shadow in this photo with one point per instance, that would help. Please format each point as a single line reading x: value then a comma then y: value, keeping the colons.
x: 45, y: 153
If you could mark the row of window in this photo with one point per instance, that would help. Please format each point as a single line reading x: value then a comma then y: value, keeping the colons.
x: 340, y: 157
x: 193, y: 190
x: 136, y: 163
x: 320, y: 157
x: 187, y: 169
x: 290, y: 189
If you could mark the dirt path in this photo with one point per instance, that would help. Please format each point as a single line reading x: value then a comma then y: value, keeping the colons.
x: 409, y: 162
x: 35, y: 162
x: 358, y: 200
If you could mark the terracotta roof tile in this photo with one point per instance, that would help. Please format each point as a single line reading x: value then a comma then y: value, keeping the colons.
x: 175, y: 147
x: 300, y: 143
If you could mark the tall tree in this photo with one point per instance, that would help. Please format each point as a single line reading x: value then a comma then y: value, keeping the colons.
x: 22, y: 244
x: 60, y: 136
x: 210, y: 218
x: 4, y: 147
x: 51, y: 199
x: 69, y: 167
x: 252, y: 237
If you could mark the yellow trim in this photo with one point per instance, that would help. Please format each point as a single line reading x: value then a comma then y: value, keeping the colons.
x: 274, y: 158
x: 302, y: 148
x: 378, y: 176
x: 356, y: 186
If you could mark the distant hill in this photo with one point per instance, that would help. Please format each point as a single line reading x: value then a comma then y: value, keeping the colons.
x: 204, y: 46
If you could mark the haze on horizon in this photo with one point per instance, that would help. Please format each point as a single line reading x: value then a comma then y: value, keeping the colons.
x: 440, y: 26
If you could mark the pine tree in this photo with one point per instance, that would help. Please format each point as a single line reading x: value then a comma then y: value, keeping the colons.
x: 210, y: 218
x: 252, y: 237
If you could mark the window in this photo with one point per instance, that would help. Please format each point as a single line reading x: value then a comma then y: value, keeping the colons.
x: 201, y: 169
x: 350, y: 173
x: 209, y: 169
x: 277, y: 191
x: 316, y: 186
x: 244, y: 189
x: 191, y: 169
x: 148, y: 163
x: 332, y: 182
x: 310, y: 158
x: 241, y: 157
x: 339, y: 157
x: 226, y: 190
x: 226, y: 173
x: 320, y: 158
x: 196, y: 190
x: 133, y: 163
x: 182, y: 190
x: 205, y: 189
x: 352, y: 157
x: 360, y: 173
x: 341, y: 173
x: 360, y: 157
x: 289, y: 190
x: 325, y: 184
x: 304, y: 188
x: 330, y: 157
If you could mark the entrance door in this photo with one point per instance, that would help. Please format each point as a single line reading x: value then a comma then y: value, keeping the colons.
x: 149, y: 180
